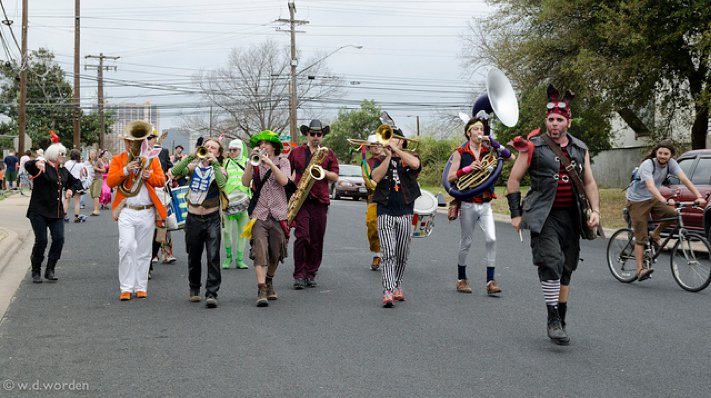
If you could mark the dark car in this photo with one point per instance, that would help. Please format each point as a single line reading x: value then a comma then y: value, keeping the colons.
x: 696, y: 165
x: 350, y: 183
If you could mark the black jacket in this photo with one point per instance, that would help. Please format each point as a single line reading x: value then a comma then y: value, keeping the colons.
x: 48, y: 189
x: 164, y: 157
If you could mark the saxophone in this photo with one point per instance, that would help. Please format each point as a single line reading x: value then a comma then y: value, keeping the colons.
x: 312, y: 173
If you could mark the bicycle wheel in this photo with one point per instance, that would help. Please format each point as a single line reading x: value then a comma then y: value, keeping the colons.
x: 620, y: 256
x: 690, y: 261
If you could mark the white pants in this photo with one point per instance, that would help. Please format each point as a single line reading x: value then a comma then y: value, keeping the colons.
x: 470, y: 215
x: 135, y: 248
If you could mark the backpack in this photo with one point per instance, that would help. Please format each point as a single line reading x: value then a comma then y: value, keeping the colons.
x: 634, y: 176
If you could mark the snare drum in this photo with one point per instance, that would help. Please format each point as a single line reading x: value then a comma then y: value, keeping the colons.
x: 238, y: 202
x: 180, y: 205
x: 424, y: 215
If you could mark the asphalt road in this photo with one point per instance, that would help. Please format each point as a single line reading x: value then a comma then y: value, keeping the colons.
x: 641, y: 340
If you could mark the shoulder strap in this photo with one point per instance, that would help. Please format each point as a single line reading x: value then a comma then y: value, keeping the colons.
x: 568, y: 166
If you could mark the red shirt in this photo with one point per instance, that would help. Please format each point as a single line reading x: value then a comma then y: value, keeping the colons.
x: 298, y: 162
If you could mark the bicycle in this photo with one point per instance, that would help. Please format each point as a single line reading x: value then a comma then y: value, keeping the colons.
x: 690, y: 259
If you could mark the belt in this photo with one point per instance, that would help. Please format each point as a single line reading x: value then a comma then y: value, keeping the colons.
x: 144, y: 207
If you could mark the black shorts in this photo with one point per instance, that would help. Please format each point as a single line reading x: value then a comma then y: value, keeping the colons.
x: 556, y: 249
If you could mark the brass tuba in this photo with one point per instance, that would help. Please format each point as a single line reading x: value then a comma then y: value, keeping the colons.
x: 312, y: 173
x: 136, y: 132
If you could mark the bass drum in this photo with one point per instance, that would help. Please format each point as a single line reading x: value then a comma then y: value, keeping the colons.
x: 468, y: 194
x: 424, y: 215
x: 180, y: 206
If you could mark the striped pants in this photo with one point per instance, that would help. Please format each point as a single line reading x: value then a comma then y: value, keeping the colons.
x: 395, y: 234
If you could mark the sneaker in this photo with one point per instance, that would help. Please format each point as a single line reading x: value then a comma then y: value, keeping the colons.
x: 375, y: 265
x: 399, y: 294
x: 154, y: 259
x: 125, y: 296
x: 195, y: 296
x: 169, y: 260
x: 299, y: 284
x: 311, y: 283
x: 491, y: 288
x: 211, y: 302
x: 388, y: 299
x: 66, y: 219
x: 141, y: 294
x: 463, y: 286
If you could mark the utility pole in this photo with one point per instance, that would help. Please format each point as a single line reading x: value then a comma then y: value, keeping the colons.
x: 293, y: 97
x: 418, y: 125
x: 100, y: 80
x: 21, y: 117
x: 76, y: 98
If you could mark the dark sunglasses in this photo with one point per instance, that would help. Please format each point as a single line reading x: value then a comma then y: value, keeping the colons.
x: 234, y: 149
x: 315, y: 134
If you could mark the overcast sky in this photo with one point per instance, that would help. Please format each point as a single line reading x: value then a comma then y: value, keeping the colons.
x: 410, y: 62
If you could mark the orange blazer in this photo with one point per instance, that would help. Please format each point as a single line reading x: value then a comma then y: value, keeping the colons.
x: 115, y: 177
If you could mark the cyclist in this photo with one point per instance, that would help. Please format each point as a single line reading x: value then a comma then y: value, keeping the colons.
x: 644, y: 198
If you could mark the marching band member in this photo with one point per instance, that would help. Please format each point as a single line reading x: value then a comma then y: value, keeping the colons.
x: 268, y: 209
x: 476, y: 211
x: 202, y: 225
x: 234, y: 166
x: 371, y: 216
x: 136, y: 213
x: 551, y: 211
x: 51, y: 184
x: 395, y: 195
x: 310, y: 222
x: 166, y: 246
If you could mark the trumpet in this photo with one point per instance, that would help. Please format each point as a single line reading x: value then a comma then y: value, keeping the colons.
x: 255, y: 159
x: 201, y: 152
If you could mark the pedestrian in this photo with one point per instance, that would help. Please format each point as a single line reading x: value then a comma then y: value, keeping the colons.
x: 476, y: 210
x: 11, y: 162
x: 234, y: 166
x: 395, y: 194
x: 75, y: 168
x: 202, y: 225
x: 52, y: 184
x: 310, y: 221
x: 106, y: 191
x: 551, y: 210
x: 137, y: 209
x: 268, y: 211
x: 95, y: 169
x: 23, y: 176
x: 644, y: 199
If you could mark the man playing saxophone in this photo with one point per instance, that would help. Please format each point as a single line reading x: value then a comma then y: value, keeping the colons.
x: 476, y: 210
x: 310, y: 221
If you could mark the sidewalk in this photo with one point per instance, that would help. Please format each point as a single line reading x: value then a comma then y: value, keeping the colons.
x: 15, y: 246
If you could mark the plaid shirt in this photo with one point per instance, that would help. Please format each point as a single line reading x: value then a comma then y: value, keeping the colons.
x: 272, y: 198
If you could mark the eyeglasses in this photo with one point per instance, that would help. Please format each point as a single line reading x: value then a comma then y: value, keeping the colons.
x: 315, y: 134
x: 234, y: 149
x: 61, y: 154
x: 561, y: 105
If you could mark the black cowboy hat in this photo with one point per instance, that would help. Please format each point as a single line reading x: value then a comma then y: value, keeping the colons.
x: 315, y: 125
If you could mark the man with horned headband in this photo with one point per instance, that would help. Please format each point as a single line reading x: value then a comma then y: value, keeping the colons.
x: 550, y: 209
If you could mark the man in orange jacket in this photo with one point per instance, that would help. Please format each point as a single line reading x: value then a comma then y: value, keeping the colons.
x: 136, y: 207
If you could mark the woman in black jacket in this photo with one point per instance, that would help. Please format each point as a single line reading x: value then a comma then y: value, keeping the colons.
x: 51, y: 181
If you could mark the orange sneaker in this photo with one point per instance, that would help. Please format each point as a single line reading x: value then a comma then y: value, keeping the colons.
x: 141, y: 294
x: 388, y: 299
x: 398, y: 294
x: 125, y: 296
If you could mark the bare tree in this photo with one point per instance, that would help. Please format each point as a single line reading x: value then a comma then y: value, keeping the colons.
x: 251, y: 93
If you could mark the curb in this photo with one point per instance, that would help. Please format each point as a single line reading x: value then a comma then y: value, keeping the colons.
x: 10, y: 243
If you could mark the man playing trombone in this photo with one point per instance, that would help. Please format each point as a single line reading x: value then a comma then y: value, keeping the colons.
x: 310, y: 221
x: 476, y: 211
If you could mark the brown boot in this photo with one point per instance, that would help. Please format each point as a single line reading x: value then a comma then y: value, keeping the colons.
x: 375, y: 265
x: 271, y: 293
x: 262, y: 300
x: 491, y: 288
x: 463, y: 286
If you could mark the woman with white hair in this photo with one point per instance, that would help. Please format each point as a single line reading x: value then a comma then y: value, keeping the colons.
x: 51, y: 184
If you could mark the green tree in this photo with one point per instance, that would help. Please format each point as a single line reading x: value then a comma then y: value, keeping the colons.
x: 633, y: 58
x: 49, y: 101
x: 357, y: 124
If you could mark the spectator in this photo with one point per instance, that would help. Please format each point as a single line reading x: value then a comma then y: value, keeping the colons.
x: 11, y: 161
x: 76, y: 169
x: 24, y: 180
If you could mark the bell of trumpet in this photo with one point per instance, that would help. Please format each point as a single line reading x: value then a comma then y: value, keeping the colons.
x: 255, y: 159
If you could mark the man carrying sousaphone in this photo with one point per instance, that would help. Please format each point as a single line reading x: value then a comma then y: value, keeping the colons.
x: 476, y: 209
x: 136, y: 207
x: 310, y: 221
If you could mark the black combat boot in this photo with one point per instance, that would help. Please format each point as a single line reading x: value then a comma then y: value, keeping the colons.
x: 555, y: 329
x: 562, y: 310
x: 36, y: 269
x: 49, y: 271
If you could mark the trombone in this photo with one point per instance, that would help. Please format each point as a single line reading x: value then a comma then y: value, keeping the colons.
x: 384, y: 133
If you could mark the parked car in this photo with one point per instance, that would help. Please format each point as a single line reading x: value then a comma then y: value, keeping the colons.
x: 696, y: 165
x: 350, y: 183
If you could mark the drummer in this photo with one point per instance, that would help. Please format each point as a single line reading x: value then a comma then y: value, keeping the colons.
x: 234, y: 165
x: 476, y: 211
x: 395, y: 194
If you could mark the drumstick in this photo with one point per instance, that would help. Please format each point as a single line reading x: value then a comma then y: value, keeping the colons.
x: 520, y: 236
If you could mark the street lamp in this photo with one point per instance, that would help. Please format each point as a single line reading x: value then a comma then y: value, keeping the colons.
x: 293, y: 94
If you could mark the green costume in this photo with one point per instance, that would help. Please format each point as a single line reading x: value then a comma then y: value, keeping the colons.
x: 235, y: 169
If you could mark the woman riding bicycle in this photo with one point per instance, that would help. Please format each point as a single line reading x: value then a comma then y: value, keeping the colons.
x: 644, y: 198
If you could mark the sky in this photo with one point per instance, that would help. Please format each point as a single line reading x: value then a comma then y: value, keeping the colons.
x: 410, y: 62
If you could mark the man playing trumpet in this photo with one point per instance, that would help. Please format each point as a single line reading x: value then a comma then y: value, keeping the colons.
x: 476, y: 211
x: 310, y: 222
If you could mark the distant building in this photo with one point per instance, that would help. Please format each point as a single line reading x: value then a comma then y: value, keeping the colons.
x: 126, y: 113
x: 178, y: 136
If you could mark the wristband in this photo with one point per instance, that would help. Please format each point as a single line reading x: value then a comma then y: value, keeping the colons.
x: 514, y: 199
x: 460, y: 173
